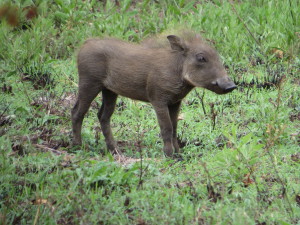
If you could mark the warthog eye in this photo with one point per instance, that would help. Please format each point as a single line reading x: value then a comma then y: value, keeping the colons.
x: 200, y: 58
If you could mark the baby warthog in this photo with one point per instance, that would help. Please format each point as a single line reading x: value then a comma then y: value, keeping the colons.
x: 160, y: 74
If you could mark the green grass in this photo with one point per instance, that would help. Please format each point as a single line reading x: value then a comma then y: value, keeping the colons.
x: 240, y: 168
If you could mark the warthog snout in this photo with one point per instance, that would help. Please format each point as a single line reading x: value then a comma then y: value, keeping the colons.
x: 222, y: 86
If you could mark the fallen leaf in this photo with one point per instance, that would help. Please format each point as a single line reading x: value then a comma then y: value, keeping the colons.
x: 31, y: 12
x: 181, y: 116
x: 247, y: 180
x: 278, y: 53
x: 40, y: 201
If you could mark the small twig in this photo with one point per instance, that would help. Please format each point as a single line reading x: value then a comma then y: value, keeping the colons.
x: 4, y: 111
x: 251, y: 34
x: 118, y: 155
x: 250, y: 172
x: 292, y: 13
x: 36, y: 216
x: 68, y: 78
x: 26, y: 93
x: 47, y: 149
x: 242, y: 21
x: 141, y: 168
x: 140, y: 184
x: 270, y: 143
x: 202, y: 101
x: 283, y: 185
x: 214, y: 196
x: 207, y: 172
x: 213, y: 115
x: 280, y: 84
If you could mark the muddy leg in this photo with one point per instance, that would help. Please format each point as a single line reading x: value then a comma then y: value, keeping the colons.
x: 174, y: 111
x: 104, y: 114
x: 86, y: 95
x: 166, y: 128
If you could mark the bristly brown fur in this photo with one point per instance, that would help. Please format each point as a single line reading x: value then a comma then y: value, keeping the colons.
x: 161, y: 41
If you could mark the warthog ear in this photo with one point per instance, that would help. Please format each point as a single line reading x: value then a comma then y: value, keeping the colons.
x: 176, y: 43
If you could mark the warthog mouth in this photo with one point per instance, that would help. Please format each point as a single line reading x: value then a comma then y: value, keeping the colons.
x: 230, y: 89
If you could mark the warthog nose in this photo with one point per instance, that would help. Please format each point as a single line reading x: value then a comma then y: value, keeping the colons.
x: 230, y: 88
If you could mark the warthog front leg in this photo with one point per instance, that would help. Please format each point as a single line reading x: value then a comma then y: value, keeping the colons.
x: 166, y: 127
x: 174, y: 111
